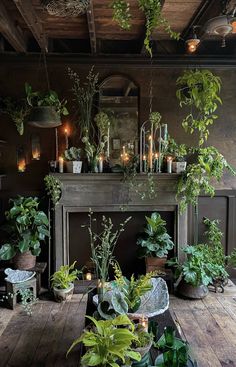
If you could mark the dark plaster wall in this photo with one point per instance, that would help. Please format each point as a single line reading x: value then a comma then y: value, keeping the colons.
x: 13, y: 76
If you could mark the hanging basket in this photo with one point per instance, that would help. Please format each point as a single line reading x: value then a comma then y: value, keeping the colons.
x: 44, y: 117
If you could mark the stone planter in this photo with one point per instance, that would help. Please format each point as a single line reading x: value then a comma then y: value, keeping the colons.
x: 155, y: 263
x: 44, y: 117
x: 189, y: 291
x: 63, y: 294
x: 179, y: 167
x: 24, y: 261
x: 73, y: 166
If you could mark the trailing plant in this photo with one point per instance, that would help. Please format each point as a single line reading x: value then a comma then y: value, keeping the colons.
x: 49, y: 98
x: 198, y: 176
x: 199, y: 90
x: 18, y: 110
x: 27, y: 297
x: 178, y: 151
x: 84, y: 94
x: 53, y: 188
x: 152, y: 10
x: 72, y: 154
x: 27, y: 226
x: 175, y: 352
x: 108, y: 343
x: 214, y: 240
x: 103, y: 244
x: 232, y: 258
x: 154, y: 241
x: 66, y: 275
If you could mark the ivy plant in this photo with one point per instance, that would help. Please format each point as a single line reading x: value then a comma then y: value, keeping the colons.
x: 152, y: 10
x: 53, y: 188
x: 199, y: 90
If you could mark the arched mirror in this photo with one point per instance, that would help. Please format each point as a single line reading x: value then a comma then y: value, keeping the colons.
x: 118, y: 97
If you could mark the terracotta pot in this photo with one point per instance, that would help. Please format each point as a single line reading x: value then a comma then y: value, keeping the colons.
x: 63, y: 294
x: 24, y: 261
x: 189, y: 291
x: 155, y: 263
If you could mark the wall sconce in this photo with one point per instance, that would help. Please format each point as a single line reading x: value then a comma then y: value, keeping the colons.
x: 21, y: 160
x: 35, y: 144
x: 193, y: 41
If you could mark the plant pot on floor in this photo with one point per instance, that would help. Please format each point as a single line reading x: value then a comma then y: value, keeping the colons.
x: 63, y: 294
x: 155, y: 263
x: 24, y: 261
x: 74, y: 166
x: 189, y: 291
x: 179, y: 167
x: 190, y: 362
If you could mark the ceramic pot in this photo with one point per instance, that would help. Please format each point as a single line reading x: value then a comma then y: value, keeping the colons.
x: 179, y: 167
x: 189, y: 291
x: 24, y: 261
x: 74, y: 166
x: 155, y: 263
x: 44, y: 117
x: 63, y: 294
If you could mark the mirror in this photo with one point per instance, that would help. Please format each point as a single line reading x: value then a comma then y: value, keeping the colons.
x: 118, y: 97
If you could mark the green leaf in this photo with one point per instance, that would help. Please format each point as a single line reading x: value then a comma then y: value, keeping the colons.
x: 41, y: 218
x: 7, y: 251
x: 24, y: 245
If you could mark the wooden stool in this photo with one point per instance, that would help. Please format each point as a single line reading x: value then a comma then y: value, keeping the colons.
x: 39, y: 269
x: 12, y: 289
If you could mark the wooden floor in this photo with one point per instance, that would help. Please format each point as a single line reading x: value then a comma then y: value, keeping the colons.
x: 43, y: 339
x: 209, y: 326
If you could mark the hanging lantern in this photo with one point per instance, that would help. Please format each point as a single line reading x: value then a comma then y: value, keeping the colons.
x: 44, y: 117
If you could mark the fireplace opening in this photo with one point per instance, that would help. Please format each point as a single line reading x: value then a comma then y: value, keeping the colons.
x: 126, y: 249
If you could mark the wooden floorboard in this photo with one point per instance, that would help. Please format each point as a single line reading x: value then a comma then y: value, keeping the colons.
x: 209, y: 325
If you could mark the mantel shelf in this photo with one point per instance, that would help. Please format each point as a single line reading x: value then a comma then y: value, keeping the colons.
x: 112, y: 176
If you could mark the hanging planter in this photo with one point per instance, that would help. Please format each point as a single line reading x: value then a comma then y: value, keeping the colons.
x: 46, y: 108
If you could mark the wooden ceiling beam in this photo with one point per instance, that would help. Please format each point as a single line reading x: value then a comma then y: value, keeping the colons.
x: 92, y: 28
x: 32, y: 20
x: 10, y: 31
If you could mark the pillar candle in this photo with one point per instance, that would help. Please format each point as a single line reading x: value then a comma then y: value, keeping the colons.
x: 169, y: 164
x: 144, y: 164
x: 150, y: 152
x: 100, y: 165
x: 156, y: 163
x: 66, y: 138
x: 61, y: 165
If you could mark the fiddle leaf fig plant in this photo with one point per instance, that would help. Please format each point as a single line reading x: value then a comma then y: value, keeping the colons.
x: 199, y: 90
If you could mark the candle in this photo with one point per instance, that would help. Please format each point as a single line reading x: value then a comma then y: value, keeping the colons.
x: 150, y: 152
x: 156, y: 162
x: 66, y: 138
x: 165, y: 132
x: 36, y: 154
x: 100, y: 165
x: 108, y: 142
x: 22, y: 165
x: 169, y: 164
x: 88, y: 276
x: 159, y: 167
x: 56, y: 144
x: 61, y: 165
x: 124, y: 150
x: 144, y: 164
x: 144, y: 322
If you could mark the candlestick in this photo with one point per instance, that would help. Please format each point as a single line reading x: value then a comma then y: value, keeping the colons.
x: 169, y: 164
x: 156, y: 162
x: 159, y: 166
x: 61, y: 165
x: 88, y: 276
x: 144, y: 322
x: 144, y: 164
x: 66, y: 138
x: 100, y: 165
x: 56, y: 144
x: 150, y: 152
x: 108, y: 142
x: 165, y: 132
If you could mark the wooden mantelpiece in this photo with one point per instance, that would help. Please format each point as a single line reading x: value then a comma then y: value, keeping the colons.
x: 107, y: 193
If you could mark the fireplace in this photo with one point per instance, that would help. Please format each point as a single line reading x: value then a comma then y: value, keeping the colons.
x: 107, y: 194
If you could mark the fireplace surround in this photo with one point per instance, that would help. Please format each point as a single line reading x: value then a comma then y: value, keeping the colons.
x: 106, y: 193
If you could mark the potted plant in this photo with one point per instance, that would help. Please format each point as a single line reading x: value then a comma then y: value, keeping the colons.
x: 62, y: 282
x: 179, y: 152
x: 154, y: 243
x: 73, y: 161
x: 142, y: 345
x: 18, y: 110
x: 175, y: 352
x: 108, y: 343
x: 46, y: 108
x: 27, y: 227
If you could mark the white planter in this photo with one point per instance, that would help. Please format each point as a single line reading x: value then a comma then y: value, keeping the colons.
x: 179, y: 167
x: 63, y: 294
x: 74, y: 166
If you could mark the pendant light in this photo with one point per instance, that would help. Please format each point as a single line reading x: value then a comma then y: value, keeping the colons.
x: 193, y: 41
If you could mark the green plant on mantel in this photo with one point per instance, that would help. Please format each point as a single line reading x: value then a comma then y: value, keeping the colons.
x: 178, y: 151
x: 152, y: 10
x: 18, y: 110
x: 199, y: 90
x: 72, y: 154
x: 198, y: 176
x: 53, y: 188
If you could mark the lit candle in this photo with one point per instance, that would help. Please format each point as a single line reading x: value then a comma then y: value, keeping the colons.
x: 61, y: 165
x: 88, y: 276
x: 160, y: 148
x: 169, y: 164
x: 124, y: 152
x: 144, y: 322
x: 156, y: 162
x: 150, y: 152
x: 100, y: 165
x: 66, y: 138
x: 36, y: 154
x: 21, y: 165
x: 144, y: 163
